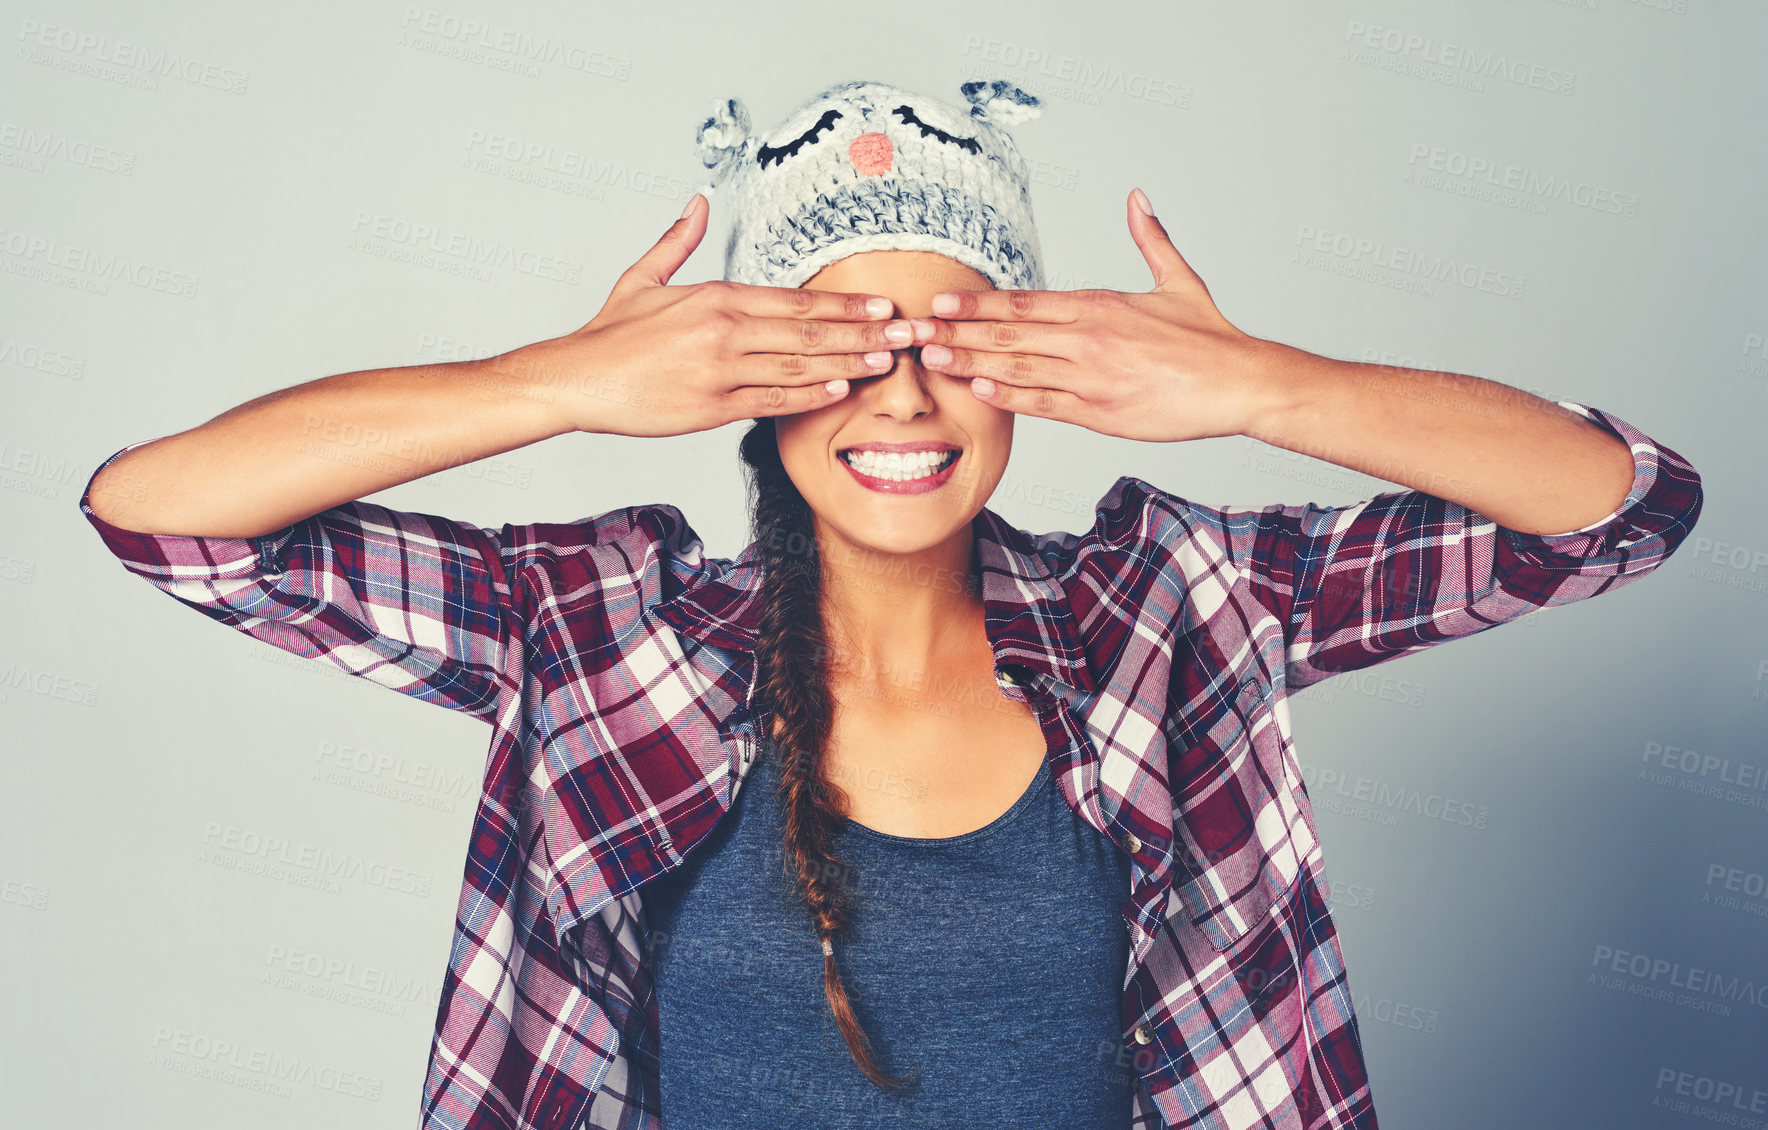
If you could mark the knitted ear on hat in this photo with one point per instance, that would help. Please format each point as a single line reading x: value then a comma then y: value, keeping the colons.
x: 721, y: 140
x: 1001, y: 102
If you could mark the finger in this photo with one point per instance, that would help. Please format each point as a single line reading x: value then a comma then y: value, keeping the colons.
x: 760, y: 369
x: 1033, y: 400
x: 794, y: 302
x: 815, y: 336
x: 1007, y: 367
x: 783, y: 400
x: 656, y: 266
x: 1050, y: 339
x: 1009, y: 305
x: 1168, y: 267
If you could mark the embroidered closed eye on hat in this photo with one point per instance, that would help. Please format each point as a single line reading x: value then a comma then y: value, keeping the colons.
x: 868, y: 166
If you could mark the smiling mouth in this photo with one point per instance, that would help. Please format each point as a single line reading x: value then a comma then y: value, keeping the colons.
x: 878, y: 465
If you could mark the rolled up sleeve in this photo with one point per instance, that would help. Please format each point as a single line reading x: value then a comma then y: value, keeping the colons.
x: 1359, y: 584
x: 418, y: 603
x: 1661, y: 507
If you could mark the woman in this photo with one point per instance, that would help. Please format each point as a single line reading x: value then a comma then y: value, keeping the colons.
x: 985, y: 752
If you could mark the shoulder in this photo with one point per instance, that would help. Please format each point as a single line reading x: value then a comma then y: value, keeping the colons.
x: 1134, y: 520
x: 651, y: 526
x: 1152, y: 554
x: 631, y: 547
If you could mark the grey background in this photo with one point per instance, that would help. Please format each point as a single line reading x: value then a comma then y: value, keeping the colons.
x: 129, y: 957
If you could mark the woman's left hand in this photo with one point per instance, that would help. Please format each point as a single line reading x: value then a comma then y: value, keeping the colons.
x: 1160, y: 366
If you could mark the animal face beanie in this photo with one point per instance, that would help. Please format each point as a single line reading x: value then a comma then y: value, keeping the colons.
x: 865, y: 166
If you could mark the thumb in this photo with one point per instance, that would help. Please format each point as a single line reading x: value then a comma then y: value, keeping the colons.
x: 656, y: 266
x: 1164, y: 261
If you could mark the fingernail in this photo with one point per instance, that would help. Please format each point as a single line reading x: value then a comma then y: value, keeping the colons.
x: 944, y: 303
x: 879, y: 360
x: 690, y: 207
x: 982, y: 386
x: 1141, y: 199
x: 899, y: 332
x: 878, y: 307
x: 836, y: 387
x: 936, y: 354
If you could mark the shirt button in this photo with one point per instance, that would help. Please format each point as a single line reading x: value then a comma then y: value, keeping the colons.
x: 1144, y: 1034
x: 1132, y: 843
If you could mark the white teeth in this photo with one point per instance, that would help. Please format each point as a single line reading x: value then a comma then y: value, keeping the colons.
x: 896, y: 466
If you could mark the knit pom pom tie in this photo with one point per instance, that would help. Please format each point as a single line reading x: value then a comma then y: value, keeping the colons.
x: 722, y: 137
x: 1001, y: 102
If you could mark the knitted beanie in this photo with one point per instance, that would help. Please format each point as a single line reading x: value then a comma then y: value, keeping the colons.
x: 865, y: 166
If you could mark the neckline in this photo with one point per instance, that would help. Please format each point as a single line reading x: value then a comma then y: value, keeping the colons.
x: 850, y: 825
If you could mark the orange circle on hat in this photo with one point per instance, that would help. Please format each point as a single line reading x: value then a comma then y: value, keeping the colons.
x: 871, y: 154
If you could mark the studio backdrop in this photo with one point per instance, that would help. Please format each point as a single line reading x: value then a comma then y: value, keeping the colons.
x: 230, y: 874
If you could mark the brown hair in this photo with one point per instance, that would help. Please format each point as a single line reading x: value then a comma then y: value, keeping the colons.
x: 791, y: 682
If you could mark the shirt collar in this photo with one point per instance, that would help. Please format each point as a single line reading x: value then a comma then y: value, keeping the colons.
x: 1026, y: 610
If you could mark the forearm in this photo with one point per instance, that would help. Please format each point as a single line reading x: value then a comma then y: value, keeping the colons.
x: 297, y: 451
x: 1524, y: 462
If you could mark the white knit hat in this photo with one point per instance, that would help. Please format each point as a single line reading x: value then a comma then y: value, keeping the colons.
x: 865, y: 166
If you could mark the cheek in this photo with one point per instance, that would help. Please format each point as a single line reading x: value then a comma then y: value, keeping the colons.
x: 978, y: 417
x: 800, y: 441
x: 996, y: 425
x: 805, y: 450
x: 1000, y: 437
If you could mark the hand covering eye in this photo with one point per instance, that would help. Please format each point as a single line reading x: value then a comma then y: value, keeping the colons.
x: 768, y: 154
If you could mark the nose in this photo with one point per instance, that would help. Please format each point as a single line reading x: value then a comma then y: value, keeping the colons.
x: 871, y: 154
x: 902, y: 392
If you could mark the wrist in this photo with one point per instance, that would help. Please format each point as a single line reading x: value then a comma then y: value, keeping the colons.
x: 532, y: 382
x: 1283, y: 384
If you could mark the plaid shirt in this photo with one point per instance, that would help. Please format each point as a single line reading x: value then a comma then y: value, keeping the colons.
x: 613, y: 661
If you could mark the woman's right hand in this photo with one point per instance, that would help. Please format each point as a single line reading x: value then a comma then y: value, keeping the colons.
x: 662, y: 360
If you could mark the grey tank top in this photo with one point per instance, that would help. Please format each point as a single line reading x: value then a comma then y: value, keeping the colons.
x: 990, y: 963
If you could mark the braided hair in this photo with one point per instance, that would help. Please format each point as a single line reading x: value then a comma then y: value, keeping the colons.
x: 792, y: 685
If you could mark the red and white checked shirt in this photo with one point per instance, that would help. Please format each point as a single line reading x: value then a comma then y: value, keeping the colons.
x: 613, y: 660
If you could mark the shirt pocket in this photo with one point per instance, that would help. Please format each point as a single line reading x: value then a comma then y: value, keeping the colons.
x: 1238, y: 824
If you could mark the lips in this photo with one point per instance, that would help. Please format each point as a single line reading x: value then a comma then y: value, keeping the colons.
x: 922, y: 485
